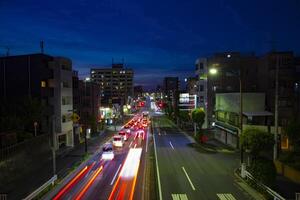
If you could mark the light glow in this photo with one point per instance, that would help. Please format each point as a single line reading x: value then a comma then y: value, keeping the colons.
x: 86, y: 187
x: 73, y: 181
x: 213, y: 71
x: 131, y: 164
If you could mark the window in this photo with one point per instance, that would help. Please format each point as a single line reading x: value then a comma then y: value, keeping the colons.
x: 65, y: 84
x: 43, y: 84
x: 201, y: 98
x: 201, y: 66
x: 66, y: 67
x: 66, y: 100
x: 201, y: 88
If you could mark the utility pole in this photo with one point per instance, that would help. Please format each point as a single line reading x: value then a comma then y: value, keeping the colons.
x: 195, y: 106
x: 276, y: 110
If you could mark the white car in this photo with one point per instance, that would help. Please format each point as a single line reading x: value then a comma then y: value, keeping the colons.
x: 124, y: 135
x: 107, y: 152
x: 118, y: 141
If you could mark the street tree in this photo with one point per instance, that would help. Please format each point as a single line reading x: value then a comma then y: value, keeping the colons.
x: 198, y: 117
x: 257, y: 141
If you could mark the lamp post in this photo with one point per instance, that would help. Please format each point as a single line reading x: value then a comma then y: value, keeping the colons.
x: 87, y: 79
x: 214, y: 71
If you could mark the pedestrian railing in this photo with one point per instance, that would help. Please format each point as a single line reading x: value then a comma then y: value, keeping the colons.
x: 274, y: 194
x: 297, y: 196
x: 40, y: 189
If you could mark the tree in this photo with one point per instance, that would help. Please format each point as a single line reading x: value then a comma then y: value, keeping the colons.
x: 293, y: 133
x: 198, y: 117
x: 184, y: 115
x: 257, y: 141
x: 264, y: 171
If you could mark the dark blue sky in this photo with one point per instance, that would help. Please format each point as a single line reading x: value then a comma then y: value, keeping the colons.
x: 156, y: 38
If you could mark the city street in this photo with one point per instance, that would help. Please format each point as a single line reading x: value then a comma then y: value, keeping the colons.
x: 108, y: 179
x: 185, y: 173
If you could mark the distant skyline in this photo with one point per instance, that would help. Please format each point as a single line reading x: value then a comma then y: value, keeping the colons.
x: 155, y: 38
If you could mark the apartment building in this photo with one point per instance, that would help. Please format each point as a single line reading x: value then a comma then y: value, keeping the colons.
x: 48, y: 79
x: 116, y: 83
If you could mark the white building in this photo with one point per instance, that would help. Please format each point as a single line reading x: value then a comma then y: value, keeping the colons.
x: 62, y: 101
x: 202, y: 72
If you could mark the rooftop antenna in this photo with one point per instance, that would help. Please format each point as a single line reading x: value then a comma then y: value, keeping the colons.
x: 42, y: 46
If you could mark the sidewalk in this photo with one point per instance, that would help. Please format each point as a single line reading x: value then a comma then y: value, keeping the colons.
x: 284, y: 186
x: 66, y: 160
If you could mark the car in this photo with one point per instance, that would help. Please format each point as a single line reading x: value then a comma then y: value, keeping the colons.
x: 118, y: 141
x: 124, y: 134
x: 107, y: 152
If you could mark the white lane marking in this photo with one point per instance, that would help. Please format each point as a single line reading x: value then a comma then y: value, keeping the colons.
x: 130, y: 144
x: 179, y: 197
x: 157, y: 170
x: 226, y: 196
x: 113, y: 180
x: 171, y: 145
x: 134, y: 146
x: 187, y: 176
x: 148, y: 132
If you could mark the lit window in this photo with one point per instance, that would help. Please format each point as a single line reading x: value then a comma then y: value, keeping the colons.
x: 43, y: 84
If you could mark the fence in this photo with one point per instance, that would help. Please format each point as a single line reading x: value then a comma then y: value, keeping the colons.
x: 40, y: 189
x: 8, y: 152
x: 275, y: 195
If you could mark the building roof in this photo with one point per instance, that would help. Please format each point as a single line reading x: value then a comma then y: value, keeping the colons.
x: 257, y: 113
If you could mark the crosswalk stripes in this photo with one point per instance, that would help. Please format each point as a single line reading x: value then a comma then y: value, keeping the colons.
x: 226, y: 196
x: 179, y: 197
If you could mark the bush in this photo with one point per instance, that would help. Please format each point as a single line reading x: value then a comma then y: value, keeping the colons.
x: 257, y: 141
x: 264, y: 171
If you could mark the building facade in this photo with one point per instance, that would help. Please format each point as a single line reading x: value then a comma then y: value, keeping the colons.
x: 48, y: 79
x: 116, y: 83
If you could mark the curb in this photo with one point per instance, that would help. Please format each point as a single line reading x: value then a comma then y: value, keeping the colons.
x: 248, y: 189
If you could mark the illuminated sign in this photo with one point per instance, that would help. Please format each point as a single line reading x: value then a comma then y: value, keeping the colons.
x: 184, y: 98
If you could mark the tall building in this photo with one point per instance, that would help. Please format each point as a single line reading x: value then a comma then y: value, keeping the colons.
x: 229, y: 66
x: 90, y: 100
x: 192, y: 85
x: 288, y: 84
x: 170, y: 85
x: 48, y: 79
x: 116, y: 83
x: 171, y: 91
x: 138, y: 90
x: 257, y: 75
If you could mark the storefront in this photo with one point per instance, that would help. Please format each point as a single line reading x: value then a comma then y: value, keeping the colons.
x: 226, y: 134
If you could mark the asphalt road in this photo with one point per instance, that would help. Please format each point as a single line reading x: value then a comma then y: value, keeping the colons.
x: 97, y: 178
x: 185, y: 173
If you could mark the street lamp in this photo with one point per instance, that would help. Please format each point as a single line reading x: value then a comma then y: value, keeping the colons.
x: 213, y: 71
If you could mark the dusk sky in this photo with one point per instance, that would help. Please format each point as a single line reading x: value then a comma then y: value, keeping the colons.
x: 156, y: 38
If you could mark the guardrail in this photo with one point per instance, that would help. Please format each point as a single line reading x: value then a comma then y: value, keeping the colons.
x: 274, y: 194
x: 40, y: 189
